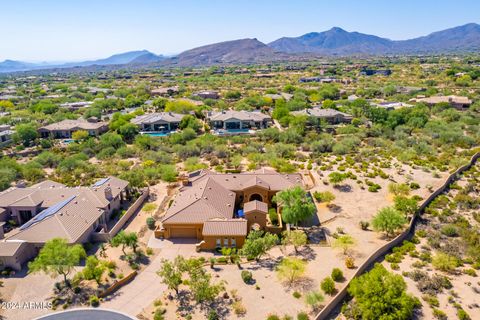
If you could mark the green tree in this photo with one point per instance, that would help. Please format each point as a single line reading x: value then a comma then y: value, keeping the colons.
x: 171, y: 273
x: 57, y: 257
x: 125, y: 240
x: 379, y: 294
x: 80, y: 135
x: 94, y: 269
x: 257, y: 244
x: 189, y: 121
x: 128, y: 131
x: 388, y: 220
x: 291, y: 269
x: 344, y: 242
x: 297, y: 238
x: 25, y: 133
x: 296, y: 205
x: 407, y: 206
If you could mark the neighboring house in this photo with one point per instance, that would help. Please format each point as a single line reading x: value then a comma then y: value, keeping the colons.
x: 458, y: 102
x: 371, y: 72
x: 238, y: 120
x: 65, y: 128
x: 330, y: 115
x: 207, y: 95
x: 318, y: 79
x: 158, y: 122
x: 76, y: 105
x: 23, y: 204
x: 165, y: 92
x: 209, y: 207
x: 282, y: 95
x: 13, y: 254
x: 51, y: 210
x: 392, y: 105
x: 5, y: 135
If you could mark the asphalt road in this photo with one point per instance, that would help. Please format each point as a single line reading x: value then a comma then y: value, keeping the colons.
x: 86, y: 314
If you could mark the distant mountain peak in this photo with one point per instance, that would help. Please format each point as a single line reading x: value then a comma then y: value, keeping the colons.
x: 337, y: 41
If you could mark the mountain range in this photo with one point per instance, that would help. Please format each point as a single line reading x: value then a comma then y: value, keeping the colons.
x: 337, y: 41
x: 333, y: 42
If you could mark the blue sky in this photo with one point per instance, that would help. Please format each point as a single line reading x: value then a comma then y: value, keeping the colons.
x: 63, y: 30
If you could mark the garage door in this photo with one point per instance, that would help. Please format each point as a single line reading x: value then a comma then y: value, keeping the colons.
x: 183, y: 233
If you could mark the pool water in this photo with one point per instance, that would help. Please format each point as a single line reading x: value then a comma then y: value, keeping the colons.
x: 156, y: 134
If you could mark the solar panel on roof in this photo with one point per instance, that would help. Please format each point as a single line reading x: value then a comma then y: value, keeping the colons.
x: 100, y: 182
x: 47, y: 212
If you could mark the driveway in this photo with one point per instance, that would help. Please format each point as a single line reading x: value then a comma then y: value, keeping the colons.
x: 136, y: 296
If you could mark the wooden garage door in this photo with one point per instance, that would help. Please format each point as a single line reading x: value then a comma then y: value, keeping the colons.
x: 184, y: 232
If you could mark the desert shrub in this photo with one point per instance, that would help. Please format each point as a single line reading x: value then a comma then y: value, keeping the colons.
x: 439, y: 314
x: 238, y: 308
x: 273, y: 317
x: 445, y: 262
x: 470, y: 272
x: 337, y: 275
x: 212, y: 315
x: 364, y: 225
x: 328, y: 286
x: 449, y: 230
x: 302, y: 316
x: 350, y: 262
x: 247, y: 276
x: 374, y: 187
x: 94, y: 301
x: 431, y: 300
x: 296, y: 295
x: 159, y: 314
x: 150, y: 223
x: 462, y: 314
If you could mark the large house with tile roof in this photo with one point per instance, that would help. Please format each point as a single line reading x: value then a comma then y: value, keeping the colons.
x: 219, y: 209
x: 51, y: 210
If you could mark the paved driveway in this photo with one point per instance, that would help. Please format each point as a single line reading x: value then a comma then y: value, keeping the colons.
x: 136, y: 296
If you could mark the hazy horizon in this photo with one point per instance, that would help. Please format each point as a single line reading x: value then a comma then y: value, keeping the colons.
x: 63, y: 31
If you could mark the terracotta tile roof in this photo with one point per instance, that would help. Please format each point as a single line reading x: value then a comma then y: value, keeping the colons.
x: 205, y: 201
x: 48, y: 193
x: 321, y: 113
x: 240, y: 181
x: 225, y: 227
x: 150, y: 118
x: 212, y: 195
x: 255, y: 205
x: 239, y: 115
x: 79, y: 124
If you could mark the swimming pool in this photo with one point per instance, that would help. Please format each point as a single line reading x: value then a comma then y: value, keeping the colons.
x: 68, y: 141
x: 156, y: 134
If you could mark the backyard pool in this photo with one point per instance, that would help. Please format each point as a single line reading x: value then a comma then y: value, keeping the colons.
x: 156, y: 134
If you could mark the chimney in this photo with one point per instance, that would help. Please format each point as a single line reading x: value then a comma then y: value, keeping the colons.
x: 108, y: 193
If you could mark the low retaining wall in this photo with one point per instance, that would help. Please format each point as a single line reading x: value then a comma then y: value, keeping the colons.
x: 117, y: 285
x: 106, y: 236
x: 342, y: 293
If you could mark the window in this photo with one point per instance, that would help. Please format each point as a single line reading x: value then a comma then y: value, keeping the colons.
x: 218, y: 243
x: 225, y: 242
x: 233, y: 242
